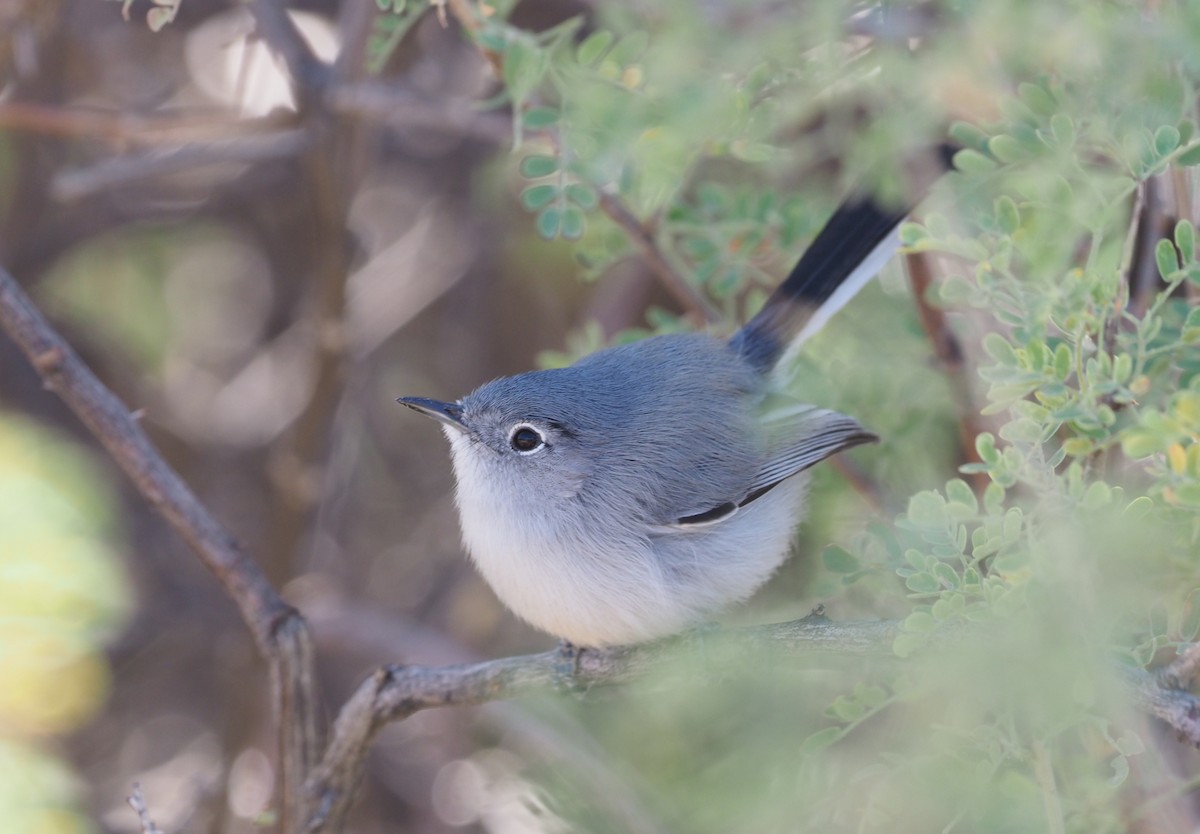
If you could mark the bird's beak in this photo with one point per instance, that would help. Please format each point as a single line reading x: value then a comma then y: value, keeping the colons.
x: 449, y: 414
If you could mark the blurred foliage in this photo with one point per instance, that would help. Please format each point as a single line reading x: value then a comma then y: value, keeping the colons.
x: 63, y: 596
x: 1080, y: 554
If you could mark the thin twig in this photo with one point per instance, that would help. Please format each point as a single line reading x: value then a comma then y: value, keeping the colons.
x: 138, y: 804
x: 673, y: 280
x: 121, y: 127
x: 404, y: 109
x: 949, y: 355
x: 117, y: 171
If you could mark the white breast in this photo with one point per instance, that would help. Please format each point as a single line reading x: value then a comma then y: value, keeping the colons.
x: 617, y: 584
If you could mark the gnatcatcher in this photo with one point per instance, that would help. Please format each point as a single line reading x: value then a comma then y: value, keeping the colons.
x: 647, y: 486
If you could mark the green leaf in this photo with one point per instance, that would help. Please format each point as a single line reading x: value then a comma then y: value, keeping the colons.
x: 821, y: 739
x: 1063, y: 129
x: 572, y: 223
x: 524, y: 66
x: 536, y: 118
x: 1166, y: 140
x: 958, y: 492
x: 1006, y: 148
x: 537, y: 196
x: 538, y: 166
x: 923, y: 583
x: 549, y: 222
x: 629, y: 49
x: 1138, y: 443
x: 846, y: 709
x: 1189, y: 157
x: 1037, y: 99
x: 1008, y: 218
x: 985, y: 445
x: 594, y: 46
x: 839, y: 560
x: 1185, y: 239
x: 1166, y: 258
x: 999, y: 349
x: 582, y: 195
x: 971, y: 161
x: 968, y: 135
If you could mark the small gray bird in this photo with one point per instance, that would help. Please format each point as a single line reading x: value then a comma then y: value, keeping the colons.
x: 646, y: 487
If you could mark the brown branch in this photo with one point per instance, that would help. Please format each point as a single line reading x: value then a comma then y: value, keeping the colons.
x: 675, y: 282
x: 949, y: 353
x: 279, y: 631
x: 117, y: 171
x: 396, y: 107
x: 138, y: 803
x: 140, y: 129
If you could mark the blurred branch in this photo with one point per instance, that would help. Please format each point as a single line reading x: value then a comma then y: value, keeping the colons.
x: 80, y: 122
x: 280, y: 33
x: 399, y: 108
x: 279, y: 631
x: 138, y: 804
x: 82, y: 182
x: 948, y: 351
x: 672, y: 279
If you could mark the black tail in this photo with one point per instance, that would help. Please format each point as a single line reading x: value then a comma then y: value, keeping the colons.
x: 854, y: 245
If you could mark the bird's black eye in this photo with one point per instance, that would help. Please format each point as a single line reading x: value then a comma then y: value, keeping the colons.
x: 525, y: 439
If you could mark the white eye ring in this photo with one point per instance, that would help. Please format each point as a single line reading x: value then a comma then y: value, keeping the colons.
x: 519, y: 439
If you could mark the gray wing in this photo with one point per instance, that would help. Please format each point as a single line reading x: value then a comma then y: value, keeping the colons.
x: 801, y: 437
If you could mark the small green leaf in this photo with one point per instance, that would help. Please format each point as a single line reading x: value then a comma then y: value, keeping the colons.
x: 536, y: 118
x: 582, y: 195
x: 1189, y: 157
x: 594, y: 46
x: 1006, y: 148
x: 1037, y: 99
x: 821, y: 739
x: 958, y: 492
x: 538, y: 196
x: 1008, y: 218
x: 912, y: 233
x: 1063, y: 129
x: 971, y: 161
x: 846, y: 709
x: 923, y: 583
x: 839, y: 560
x: 1166, y: 139
x: 1166, y: 258
x: 538, y: 166
x: 968, y: 135
x: 549, y: 222
x: 629, y: 49
x: 1185, y: 239
x: 999, y: 349
x: 907, y: 642
x: 572, y: 223
x: 1011, y: 529
x: 1138, y: 443
x: 985, y: 445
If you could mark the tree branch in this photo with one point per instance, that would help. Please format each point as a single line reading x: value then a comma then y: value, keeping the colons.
x: 279, y: 631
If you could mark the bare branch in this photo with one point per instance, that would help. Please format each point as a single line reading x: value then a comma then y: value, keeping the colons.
x: 279, y: 631
x: 116, y: 171
x: 400, y: 108
x: 949, y: 354
x: 140, y: 129
x: 138, y: 804
x: 673, y: 280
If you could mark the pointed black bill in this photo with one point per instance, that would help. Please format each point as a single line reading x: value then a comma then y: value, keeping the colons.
x: 448, y: 413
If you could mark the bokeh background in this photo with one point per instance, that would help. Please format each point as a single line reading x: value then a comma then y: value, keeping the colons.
x: 260, y: 266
